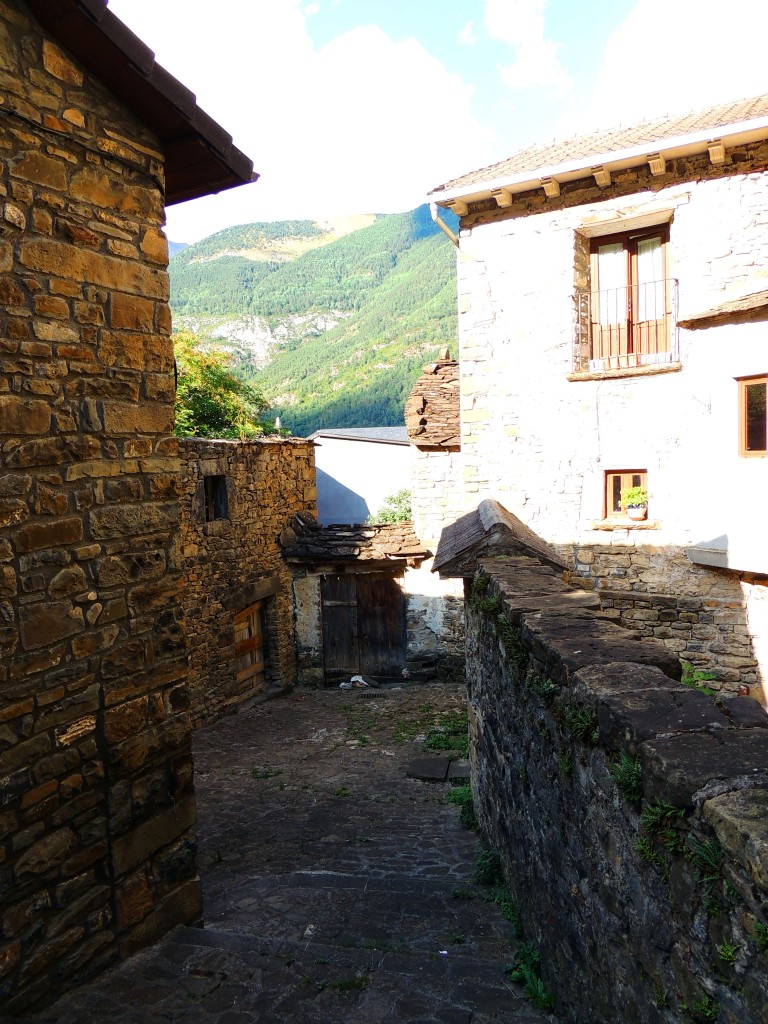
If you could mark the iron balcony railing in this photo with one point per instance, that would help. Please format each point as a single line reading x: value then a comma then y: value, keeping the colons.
x: 622, y: 328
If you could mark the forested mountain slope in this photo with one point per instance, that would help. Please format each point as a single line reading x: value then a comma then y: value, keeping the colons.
x: 333, y: 329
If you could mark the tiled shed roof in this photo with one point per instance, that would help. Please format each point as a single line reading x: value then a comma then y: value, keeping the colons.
x: 599, y: 143
x: 390, y: 435
x: 200, y: 157
x: 432, y: 408
x: 304, y: 540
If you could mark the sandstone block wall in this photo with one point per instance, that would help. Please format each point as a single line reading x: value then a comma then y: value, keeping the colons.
x: 541, y: 443
x: 97, y: 854
x: 700, y: 614
x: 233, y: 562
x: 628, y: 810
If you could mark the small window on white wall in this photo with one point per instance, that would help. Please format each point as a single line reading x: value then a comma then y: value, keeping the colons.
x: 752, y: 416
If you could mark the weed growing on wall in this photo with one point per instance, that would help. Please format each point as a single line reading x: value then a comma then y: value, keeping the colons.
x: 628, y: 775
x: 525, y: 970
x: 580, y: 724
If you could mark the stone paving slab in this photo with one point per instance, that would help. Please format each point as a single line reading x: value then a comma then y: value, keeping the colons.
x: 337, y: 890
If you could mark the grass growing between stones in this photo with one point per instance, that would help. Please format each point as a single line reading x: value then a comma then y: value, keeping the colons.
x: 462, y: 797
x: 451, y: 733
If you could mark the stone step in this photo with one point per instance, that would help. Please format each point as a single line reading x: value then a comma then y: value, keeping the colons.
x: 314, y: 981
x: 396, y: 912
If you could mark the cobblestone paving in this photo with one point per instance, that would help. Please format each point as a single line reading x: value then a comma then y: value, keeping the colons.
x: 337, y: 889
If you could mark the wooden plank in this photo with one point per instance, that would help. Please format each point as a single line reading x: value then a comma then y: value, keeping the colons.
x: 251, y: 644
x: 381, y: 624
x: 339, y: 614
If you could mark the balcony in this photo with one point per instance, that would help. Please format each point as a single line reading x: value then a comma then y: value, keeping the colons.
x: 625, y: 330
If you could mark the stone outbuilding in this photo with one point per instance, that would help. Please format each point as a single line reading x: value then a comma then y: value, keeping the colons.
x: 612, y: 308
x: 97, y: 854
x: 236, y: 499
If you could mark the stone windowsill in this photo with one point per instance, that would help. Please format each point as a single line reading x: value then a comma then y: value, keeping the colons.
x: 625, y: 523
x: 625, y: 371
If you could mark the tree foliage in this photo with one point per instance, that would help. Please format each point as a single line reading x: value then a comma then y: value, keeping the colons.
x: 211, y: 401
x: 396, y: 508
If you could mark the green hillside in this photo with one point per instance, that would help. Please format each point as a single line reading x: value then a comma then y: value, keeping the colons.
x: 389, y: 289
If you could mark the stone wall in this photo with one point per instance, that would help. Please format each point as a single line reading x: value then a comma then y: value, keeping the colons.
x: 541, y: 442
x: 97, y: 856
x: 628, y: 811
x: 232, y: 562
x: 700, y: 614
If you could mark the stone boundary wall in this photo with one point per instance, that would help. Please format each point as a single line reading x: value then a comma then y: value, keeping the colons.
x: 232, y: 562
x: 97, y: 807
x: 628, y: 810
x: 701, y: 614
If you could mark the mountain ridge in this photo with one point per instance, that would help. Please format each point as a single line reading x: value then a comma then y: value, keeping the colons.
x: 336, y: 334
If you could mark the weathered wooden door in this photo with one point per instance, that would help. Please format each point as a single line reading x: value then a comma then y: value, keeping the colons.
x: 364, y: 630
x: 249, y: 645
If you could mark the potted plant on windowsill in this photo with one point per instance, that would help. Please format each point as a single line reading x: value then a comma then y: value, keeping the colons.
x: 634, y: 501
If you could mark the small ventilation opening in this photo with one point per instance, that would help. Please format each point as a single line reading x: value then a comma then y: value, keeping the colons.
x: 215, y: 498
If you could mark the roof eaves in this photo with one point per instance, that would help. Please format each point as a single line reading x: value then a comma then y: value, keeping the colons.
x: 200, y: 157
x: 531, y: 176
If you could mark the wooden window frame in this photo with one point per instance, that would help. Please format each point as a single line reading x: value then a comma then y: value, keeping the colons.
x: 626, y: 481
x: 744, y: 383
x: 637, y: 343
x: 215, y: 498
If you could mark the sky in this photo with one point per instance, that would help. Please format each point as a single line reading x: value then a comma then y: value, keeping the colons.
x: 363, y: 106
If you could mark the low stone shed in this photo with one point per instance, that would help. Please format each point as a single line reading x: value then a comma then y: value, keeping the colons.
x: 97, y: 807
x: 236, y: 499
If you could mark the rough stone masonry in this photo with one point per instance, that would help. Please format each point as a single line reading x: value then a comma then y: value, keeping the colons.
x: 97, y: 856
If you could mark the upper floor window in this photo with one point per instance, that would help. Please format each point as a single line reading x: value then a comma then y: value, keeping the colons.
x: 752, y: 415
x: 626, y: 316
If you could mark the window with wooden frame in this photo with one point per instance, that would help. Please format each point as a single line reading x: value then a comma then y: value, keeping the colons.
x: 249, y: 645
x: 752, y: 416
x: 618, y: 480
x: 631, y: 300
x: 215, y: 491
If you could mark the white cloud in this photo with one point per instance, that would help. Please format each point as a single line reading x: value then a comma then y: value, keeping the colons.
x: 673, y: 57
x: 536, y: 59
x: 355, y: 126
x: 311, y: 9
x: 468, y: 35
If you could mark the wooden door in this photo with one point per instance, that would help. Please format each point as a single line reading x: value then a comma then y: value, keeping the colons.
x: 249, y: 645
x: 364, y: 627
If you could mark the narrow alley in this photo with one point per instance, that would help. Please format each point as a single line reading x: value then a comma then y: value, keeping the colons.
x: 337, y: 887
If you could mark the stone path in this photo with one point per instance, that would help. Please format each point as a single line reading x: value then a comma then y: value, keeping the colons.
x: 338, y: 889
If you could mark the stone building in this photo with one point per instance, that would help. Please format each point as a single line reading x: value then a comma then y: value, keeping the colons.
x: 97, y: 853
x: 357, y: 469
x: 612, y: 308
x: 236, y: 499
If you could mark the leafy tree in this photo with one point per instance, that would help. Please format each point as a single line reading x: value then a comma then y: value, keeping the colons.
x: 396, y: 508
x: 210, y: 400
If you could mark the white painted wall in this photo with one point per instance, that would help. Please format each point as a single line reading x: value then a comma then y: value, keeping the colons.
x: 354, y: 477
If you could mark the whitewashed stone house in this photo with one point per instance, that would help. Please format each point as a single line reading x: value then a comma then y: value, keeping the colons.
x: 613, y: 299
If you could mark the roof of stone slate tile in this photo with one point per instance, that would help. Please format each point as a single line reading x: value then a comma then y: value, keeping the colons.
x: 490, y: 529
x: 432, y: 408
x: 749, y: 307
x: 598, y: 144
x: 304, y: 539
x: 388, y: 435
x: 200, y: 157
